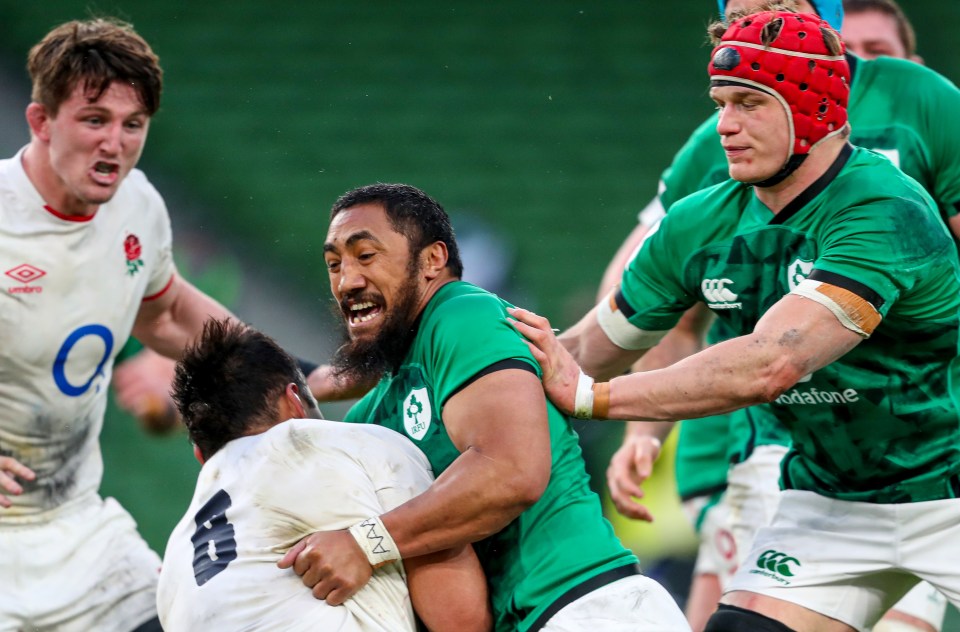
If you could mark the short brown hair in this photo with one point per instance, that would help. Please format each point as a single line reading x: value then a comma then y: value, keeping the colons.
x: 94, y: 53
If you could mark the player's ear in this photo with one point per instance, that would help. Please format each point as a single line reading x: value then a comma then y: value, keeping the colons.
x: 39, y: 121
x: 292, y: 395
x: 434, y: 259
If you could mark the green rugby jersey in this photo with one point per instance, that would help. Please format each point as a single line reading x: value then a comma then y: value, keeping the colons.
x: 879, y: 424
x: 919, y: 135
x: 556, y: 544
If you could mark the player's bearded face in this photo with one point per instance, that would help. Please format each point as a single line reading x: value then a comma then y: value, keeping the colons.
x: 369, y: 357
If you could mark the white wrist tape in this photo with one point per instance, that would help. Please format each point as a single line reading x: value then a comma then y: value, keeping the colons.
x: 375, y: 541
x: 583, y: 400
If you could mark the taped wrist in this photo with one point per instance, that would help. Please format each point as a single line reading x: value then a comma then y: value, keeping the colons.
x: 375, y: 541
x: 592, y: 400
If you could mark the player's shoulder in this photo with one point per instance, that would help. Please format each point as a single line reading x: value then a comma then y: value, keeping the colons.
x: 460, y: 301
x: 876, y: 178
x: 323, y: 435
x: 902, y: 76
x: 138, y: 192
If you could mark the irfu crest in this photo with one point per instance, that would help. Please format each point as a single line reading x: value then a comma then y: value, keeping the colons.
x: 416, y: 413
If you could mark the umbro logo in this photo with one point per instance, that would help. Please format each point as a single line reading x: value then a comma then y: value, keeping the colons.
x: 26, y: 274
x: 718, y: 296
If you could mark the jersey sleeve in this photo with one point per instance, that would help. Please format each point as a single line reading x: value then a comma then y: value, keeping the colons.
x: 469, y: 333
x: 161, y: 249
x: 873, y: 255
x: 699, y: 164
x: 652, y: 296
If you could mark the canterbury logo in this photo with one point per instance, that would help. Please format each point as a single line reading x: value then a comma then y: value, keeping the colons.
x: 717, y: 295
x: 777, y: 562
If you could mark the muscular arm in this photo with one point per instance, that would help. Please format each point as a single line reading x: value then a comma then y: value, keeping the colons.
x: 449, y: 591
x: 171, y: 321
x: 795, y: 337
x: 499, y: 424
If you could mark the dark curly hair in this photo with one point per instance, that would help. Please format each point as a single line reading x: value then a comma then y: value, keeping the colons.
x: 229, y: 381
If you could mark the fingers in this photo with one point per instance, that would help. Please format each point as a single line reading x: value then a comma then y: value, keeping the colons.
x: 624, y: 478
x: 292, y: 555
x: 9, y: 469
x: 538, y: 355
x: 332, y: 592
x: 529, y: 318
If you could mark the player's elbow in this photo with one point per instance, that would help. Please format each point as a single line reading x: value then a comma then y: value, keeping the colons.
x: 527, y: 484
x: 533, y: 486
x: 775, y: 378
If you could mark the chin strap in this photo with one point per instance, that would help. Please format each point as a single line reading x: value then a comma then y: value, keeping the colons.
x: 793, y: 163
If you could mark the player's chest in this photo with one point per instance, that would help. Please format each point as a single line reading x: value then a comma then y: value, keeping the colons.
x: 58, y: 289
x: 407, y: 405
x: 742, y: 277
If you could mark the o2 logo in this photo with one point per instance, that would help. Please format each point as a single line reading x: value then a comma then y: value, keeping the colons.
x: 59, y: 364
x: 214, y: 546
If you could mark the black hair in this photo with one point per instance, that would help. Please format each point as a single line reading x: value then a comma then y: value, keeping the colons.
x: 229, y: 381
x: 412, y: 213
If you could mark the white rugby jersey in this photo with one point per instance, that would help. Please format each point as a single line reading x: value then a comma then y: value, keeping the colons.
x: 70, y: 289
x: 256, y: 498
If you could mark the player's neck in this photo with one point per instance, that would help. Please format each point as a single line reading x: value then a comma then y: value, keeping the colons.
x: 819, y: 160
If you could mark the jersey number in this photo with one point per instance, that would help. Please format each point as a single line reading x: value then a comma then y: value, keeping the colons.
x: 214, y: 546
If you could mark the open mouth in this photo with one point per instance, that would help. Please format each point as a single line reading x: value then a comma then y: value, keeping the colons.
x: 105, y: 172
x: 362, y: 312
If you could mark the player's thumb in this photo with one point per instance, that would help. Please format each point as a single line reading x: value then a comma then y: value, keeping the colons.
x: 288, y: 560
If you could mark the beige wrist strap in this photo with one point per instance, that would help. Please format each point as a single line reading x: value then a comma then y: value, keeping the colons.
x: 375, y: 541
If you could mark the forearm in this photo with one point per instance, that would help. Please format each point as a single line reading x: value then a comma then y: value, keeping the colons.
x: 730, y: 375
x: 475, y: 497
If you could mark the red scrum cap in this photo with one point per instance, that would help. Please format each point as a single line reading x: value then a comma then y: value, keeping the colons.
x: 784, y: 54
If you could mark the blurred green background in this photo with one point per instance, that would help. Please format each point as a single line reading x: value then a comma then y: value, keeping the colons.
x: 547, y: 122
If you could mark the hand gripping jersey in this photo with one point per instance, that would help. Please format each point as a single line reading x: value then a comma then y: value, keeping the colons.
x: 897, y: 108
x: 879, y: 424
x: 69, y: 293
x: 257, y: 497
x: 562, y: 540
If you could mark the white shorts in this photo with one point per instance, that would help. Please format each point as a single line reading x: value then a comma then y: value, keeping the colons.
x: 748, y: 503
x: 626, y: 605
x: 717, y: 550
x: 852, y: 560
x: 85, y: 569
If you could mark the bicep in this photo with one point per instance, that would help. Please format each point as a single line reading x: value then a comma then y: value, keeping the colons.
x: 806, y: 332
x: 501, y: 415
